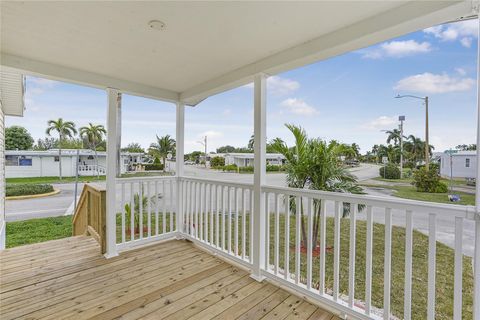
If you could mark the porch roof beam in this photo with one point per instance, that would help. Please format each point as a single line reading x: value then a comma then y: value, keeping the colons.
x: 66, y: 74
x: 410, y: 17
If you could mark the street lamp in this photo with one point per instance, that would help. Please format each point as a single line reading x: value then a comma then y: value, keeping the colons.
x: 401, y: 119
x: 204, y: 143
x: 427, y: 145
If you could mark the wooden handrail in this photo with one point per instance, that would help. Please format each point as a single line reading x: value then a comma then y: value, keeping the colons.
x: 90, y: 214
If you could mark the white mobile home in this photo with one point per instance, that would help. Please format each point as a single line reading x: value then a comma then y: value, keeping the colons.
x: 30, y: 163
x: 462, y: 164
x: 247, y: 159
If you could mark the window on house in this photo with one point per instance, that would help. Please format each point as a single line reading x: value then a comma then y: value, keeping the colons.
x: 56, y: 158
x: 467, y: 163
x: 11, y: 160
x: 25, y: 161
x: 16, y: 161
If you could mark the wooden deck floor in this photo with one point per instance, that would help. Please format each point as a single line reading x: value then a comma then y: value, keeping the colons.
x: 69, y: 279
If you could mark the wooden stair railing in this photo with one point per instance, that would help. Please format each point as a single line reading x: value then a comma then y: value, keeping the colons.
x: 90, y: 215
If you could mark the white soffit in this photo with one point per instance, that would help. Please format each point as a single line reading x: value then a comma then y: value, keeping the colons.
x: 12, y: 88
x: 205, y: 47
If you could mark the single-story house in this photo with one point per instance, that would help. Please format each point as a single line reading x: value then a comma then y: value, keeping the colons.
x: 462, y: 164
x: 246, y: 159
x: 31, y: 163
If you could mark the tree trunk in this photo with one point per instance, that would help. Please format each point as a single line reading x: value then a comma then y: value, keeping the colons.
x: 96, y: 163
x: 60, y: 159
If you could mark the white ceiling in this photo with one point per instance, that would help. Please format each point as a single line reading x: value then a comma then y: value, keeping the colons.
x: 206, y: 46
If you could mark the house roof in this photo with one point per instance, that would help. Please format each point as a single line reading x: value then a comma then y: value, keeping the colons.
x: 190, y: 50
x: 65, y: 152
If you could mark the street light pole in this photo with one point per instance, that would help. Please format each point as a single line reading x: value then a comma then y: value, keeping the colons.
x: 427, y: 145
x: 401, y: 119
x: 204, y: 143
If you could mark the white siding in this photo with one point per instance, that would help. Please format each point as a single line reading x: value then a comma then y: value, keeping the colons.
x: 460, y: 169
x: 2, y: 180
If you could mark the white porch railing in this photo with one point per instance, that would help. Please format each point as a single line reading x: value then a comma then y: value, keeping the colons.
x: 353, y: 258
x: 91, y: 169
x: 146, y: 210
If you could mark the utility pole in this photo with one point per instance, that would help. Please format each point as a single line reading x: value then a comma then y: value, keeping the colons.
x: 401, y: 119
x: 427, y: 145
x: 204, y: 143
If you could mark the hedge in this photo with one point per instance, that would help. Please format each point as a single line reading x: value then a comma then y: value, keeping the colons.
x: 13, y: 190
x: 390, y: 171
x: 155, y: 166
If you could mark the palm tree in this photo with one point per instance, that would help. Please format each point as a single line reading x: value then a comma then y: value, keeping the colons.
x: 163, y: 147
x: 393, y: 135
x: 65, y: 129
x: 93, y: 134
x: 314, y: 164
x: 356, y: 149
x: 251, y: 142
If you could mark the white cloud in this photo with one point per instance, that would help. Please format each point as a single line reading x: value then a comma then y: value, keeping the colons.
x: 280, y: 86
x: 434, y: 83
x: 382, y: 122
x: 298, y: 106
x: 227, y: 112
x: 461, y: 71
x: 464, y: 31
x: 398, y: 49
x: 211, y: 134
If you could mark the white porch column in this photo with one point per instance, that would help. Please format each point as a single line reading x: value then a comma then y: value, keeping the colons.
x: 180, y: 151
x: 113, y: 158
x: 476, y: 266
x: 259, y: 125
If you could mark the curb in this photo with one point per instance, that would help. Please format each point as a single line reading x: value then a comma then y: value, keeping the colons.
x: 33, y: 196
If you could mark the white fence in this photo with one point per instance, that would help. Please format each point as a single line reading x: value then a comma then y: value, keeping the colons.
x: 91, y: 169
x: 340, y: 250
x: 147, y: 210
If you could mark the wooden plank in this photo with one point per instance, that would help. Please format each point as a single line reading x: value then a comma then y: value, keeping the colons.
x: 265, y: 306
x: 67, y: 290
x: 104, y: 266
x: 320, y: 314
x: 190, y: 283
x: 228, y: 301
x: 281, y: 311
x: 193, y: 308
x: 181, y: 300
x: 247, y: 303
x: 304, y: 311
x: 94, y: 302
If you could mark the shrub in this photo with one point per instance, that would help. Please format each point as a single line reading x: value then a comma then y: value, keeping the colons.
x: 154, y: 166
x: 230, y: 167
x: 246, y: 169
x: 217, y: 162
x: 390, y: 171
x: 27, y: 189
x: 409, y: 165
x: 428, y: 181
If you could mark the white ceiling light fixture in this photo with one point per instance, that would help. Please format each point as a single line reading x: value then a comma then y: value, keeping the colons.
x: 157, y: 25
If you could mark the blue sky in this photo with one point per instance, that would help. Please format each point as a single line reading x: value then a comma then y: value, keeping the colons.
x: 348, y: 98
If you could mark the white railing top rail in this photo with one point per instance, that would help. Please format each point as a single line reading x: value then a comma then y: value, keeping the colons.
x: 220, y: 182
x: 376, y: 201
x: 146, y: 178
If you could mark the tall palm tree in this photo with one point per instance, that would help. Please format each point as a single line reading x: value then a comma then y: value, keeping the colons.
x: 65, y: 129
x: 93, y: 133
x: 393, y: 135
x: 251, y: 142
x: 163, y: 147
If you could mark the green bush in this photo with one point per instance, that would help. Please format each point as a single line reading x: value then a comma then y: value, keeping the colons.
x: 246, y: 169
x: 230, y: 168
x: 217, y: 162
x: 154, y: 166
x: 428, y: 181
x: 27, y: 189
x: 390, y: 171
x: 409, y: 165
x: 275, y: 168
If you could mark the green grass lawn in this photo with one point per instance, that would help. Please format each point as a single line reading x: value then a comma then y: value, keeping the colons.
x: 410, y: 192
x: 47, y: 180
x: 38, y: 230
